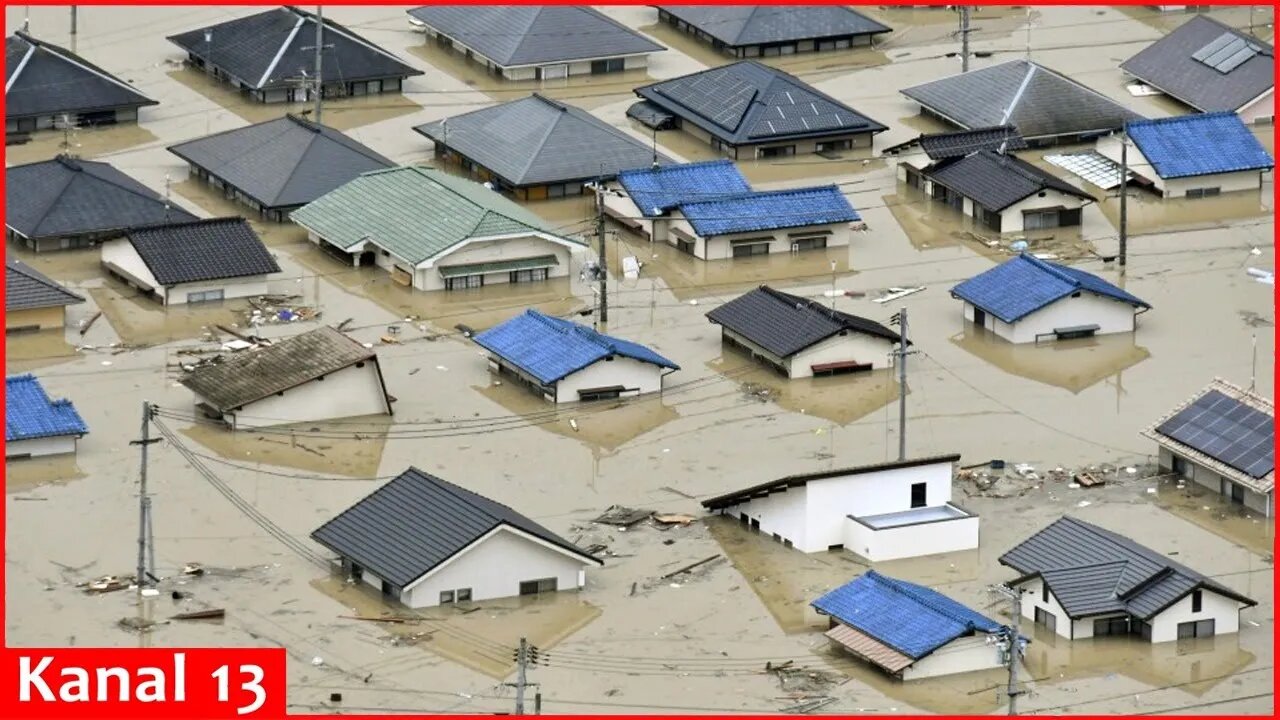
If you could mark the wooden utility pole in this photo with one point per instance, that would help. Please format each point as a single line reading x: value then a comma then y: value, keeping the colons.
x: 1124, y: 197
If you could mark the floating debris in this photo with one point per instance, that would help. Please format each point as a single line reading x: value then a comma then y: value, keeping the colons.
x: 623, y: 516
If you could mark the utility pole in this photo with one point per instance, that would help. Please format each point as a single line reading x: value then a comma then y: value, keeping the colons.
x: 1011, y: 642
x: 524, y: 656
x: 1253, y: 369
x: 319, y: 88
x: 73, y: 20
x: 604, y: 256
x: 146, y: 545
x: 166, y: 197
x: 964, y: 38
x: 1124, y: 197
x: 901, y: 358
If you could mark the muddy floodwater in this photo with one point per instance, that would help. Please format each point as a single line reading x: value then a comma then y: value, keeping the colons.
x: 643, y: 635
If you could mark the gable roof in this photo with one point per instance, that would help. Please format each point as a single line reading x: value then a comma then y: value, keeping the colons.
x: 657, y: 190
x: 549, y: 348
x: 30, y: 414
x: 416, y: 213
x: 1170, y: 65
x: 737, y: 25
x: 1226, y: 428
x: 748, y: 102
x: 785, y: 324
x: 412, y: 524
x: 202, y: 250
x: 1199, y: 145
x: 537, y: 140
x: 267, y: 49
x: 1025, y: 283
x: 26, y: 288
x: 43, y: 79
x: 283, y: 162
x: 943, y: 146
x: 1036, y: 100
x: 1092, y: 571
x: 791, y: 481
x: 515, y: 35
x: 251, y: 375
x: 909, y: 618
x: 997, y: 181
x: 64, y: 197
x: 769, y: 210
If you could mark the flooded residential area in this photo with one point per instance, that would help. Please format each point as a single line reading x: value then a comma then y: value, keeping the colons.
x: 884, y: 398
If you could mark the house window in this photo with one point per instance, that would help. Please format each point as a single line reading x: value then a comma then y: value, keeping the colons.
x: 776, y: 152
x: 1039, y: 219
x: 1047, y: 619
x: 833, y: 145
x: 606, y: 66
x: 685, y: 246
x: 206, y: 296
x: 1111, y: 626
x: 1044, y: 591
x: 527, y: 276
x: 1141, y: 629
x: 1197, y: 601
x: 535, y: 587
x: 1195, y: 629
x: 463, y: 282
x: 463, y: 595
x: 809, y: 243
x: 1204, y: 192
x: 563, y: 190
x: 446, y: 597
x: 747, y: 248
x: 919, y: 494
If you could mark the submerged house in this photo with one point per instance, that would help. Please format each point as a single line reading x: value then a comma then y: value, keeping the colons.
x: 1223, y: 439
x: 884, y: 511
x: 1079, y: 581
x: 424, y: 542
x: 566, y: 362
x: 32, y: 301
x: 1026, y: 299
x: 800, y: 337
x: 748, y: 31
x: 1004, y: 193
x: 932, y: 150
x: 907, y: 630
x: 34, y: 424
x: 270, y: 57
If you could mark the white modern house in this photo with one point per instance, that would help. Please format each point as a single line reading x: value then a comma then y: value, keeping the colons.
x: 1026, y: 300
x: 1079, y: 581
x: 425, y: 542
x: 881, y: 512
x: 1003, y: 193
x: 36, y: 425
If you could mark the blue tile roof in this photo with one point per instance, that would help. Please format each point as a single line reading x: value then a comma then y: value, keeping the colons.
x: 656, y: 190
x: 30, y: 414
x: 1199, y: 145
x: 1025, y: 284
x: 909, y: 618
x: 772, y: 210
x: 549, y: 348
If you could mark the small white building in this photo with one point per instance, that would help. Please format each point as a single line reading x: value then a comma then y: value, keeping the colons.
x: 318, y: 375
x: 566, y: 362
x: 1222, y: 439
x: 424, y: 542
x: 1066, y: 302
x: 1079, y: 581
x: 1004, y: 193
x: 881, y: 512
x: 192, y: 262
x: 34, y: 424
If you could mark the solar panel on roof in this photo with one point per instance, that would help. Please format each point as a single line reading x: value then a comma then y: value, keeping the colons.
x: 1240, y: 57
x: 1228, y: 431
x: 1226, y: 52
x: 1214, y: 46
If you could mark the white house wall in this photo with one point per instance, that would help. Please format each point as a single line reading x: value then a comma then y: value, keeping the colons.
x: 120, y: 257
x: 1011, y: 217
x: 720, y: 247
x: 485, y: 251
x: 350, y: 392
x: 620, y: 206
x: 1178, y: 187
x: 909, y: 541
x: 841, y: 348
x: 1111, y: 316
x: 780, y: 513
x: 1032, y: 599
x: 966, y: 654
x: 630, y: 374
x: 39, y: 447
x: 251, y: 286
x: 1224, y: 612
x: 1261, y: 110
x: 1211, y: 479
x: 832, y: 500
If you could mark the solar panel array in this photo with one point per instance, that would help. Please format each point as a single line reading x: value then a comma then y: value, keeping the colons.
x: 1226, y: 430
x: 723, y: 100
x: 790, y: 112
x: 1226, y: 52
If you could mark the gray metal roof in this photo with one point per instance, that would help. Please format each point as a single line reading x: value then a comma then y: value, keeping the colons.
x: 1039, y: 102
x: 282, y: 163
x: 941, y: 146
x: 738, y: 25
x: 785, y: 324
x: 748, y: 102
x: 63, y: 197
x: 51, y: 80
x: 1091, y: 570
x: 514, y: 35
x: 26, y: 288
x: 537, y: 141
x: 202, y: 250
x: 997, y: 181
x: 764, y: 489
x: 1168, y: 65
x: 267, y: 49
x: 415, y: 522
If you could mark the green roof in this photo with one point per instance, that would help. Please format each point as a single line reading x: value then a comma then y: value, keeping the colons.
x: 415, y: 213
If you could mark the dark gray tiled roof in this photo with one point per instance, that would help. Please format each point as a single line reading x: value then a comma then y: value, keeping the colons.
x: 1036, y: 100
x: 785, y: 324
x: 747, y: 102
x: 282, y: 163
x: 409, y: 526
x: 267, y: 49
x: 536, y: 141
x: 1168, y: 65
x: 1093, y: 571
x: 52, y: 80
x: 737, y: 25
x: 251, y: 375
x: 26, y: 288
x: 942, y: 146
x: 763, y: 489
x: 64, y: 197
x: 997, y: 181
x: 202, y: 250
x: 514, y: 35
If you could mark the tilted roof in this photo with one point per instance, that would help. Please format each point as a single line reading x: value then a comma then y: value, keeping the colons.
x: 769, y: 210
x: 43, y: 79
x: 26, y: 288
x: 29, y: 413
x: 657, y: 190
x: 943, y: 146
x: 1201, y: 144
x: 764, y: 489
x: 785, y: 324
x: 737, y: 25
x: 202, y: 250
x: 1025, y: 283
x: 997, y: 181
x: 1170, y: 65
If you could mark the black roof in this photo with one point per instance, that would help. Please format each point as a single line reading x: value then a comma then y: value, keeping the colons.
x: 1170, y: 65
x: 738, y: 25
x: 265, y: 50
x: 26, y: 288
x: 785, y: 324
x: 282, y: 163
x: 1092, y: 571
x: 63, y: 197
x: 790, y: 481
x: 51, y: 80
x: 415, y: 522
x: 1227, y: 429
x: 202, y: 250
x: 941, y: 146
x: 748, y: 102
x: 997, y: 181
